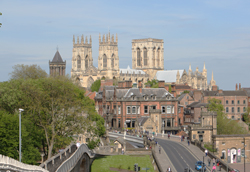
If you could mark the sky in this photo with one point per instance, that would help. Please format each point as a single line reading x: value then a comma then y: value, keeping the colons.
x: 216, y: 32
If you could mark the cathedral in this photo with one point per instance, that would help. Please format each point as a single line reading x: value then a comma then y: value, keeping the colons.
x: 147, y: 63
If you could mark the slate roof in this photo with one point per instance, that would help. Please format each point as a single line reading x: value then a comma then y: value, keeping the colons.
x: 132, y: 71
x: 197, y: 105
x: 57, y: 58
x: 181, y: 96
x: 247, y: 91
x: 182, y: 87
x: 142, y: 120
x: 168, y: 76
x: 225, y: 93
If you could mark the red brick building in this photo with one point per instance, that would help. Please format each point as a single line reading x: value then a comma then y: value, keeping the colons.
x: 126, y: 104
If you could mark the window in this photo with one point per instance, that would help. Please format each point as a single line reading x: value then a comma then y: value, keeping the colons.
x: 138, y: 57
x: 232, y: 101
x: 187, y: 97
x: 158, y: 57
x: 138, y: 109
x: 238, y: 109
x: 145, y: 109
x: 223, y: 143
x: 244, y: 109
x: 172, y: 109
x: 232, y: 109
x: 86, y: 62
x: 168, y: 109
x: 104, y: 61
x: 238, y: 102
x: 145, y: 56
x: 133, y: 110
x: 128, y: 109
x: 244, y: 101
x: 145, y: 98
x: 179, y: 110
x: 226, y: 101
x: 78, y: 62
x: 226, y: 109
x: 163, y: 110
x: 153, y: 97
x: 223, y: 155
x: 232, y: 117
x: 153, y: 107
x: 119, y: 109
x: 113, y: 61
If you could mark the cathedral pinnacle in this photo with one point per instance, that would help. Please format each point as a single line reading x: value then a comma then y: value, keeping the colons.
x: 212, y: 76
x: 90, y: 40
x: 204, y: 67
x: 86, y: 40
x: 116, y: 37
x: 74, y: 41
x: 82, y: 40
x: 99, y: 37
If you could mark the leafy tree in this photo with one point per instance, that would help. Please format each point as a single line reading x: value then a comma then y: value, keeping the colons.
x: 153, y: 83
x: 224, y: 125
x: 0, y: 23
x: 27, y: 72
x: 96, y: 85
x: 9, y: 134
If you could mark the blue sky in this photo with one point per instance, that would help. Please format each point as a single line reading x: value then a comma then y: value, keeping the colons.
x: 216, y: 32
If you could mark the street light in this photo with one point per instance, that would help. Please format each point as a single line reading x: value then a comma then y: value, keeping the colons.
x: 162, y: 128
x: 20, y: 138
x: 125, y: 125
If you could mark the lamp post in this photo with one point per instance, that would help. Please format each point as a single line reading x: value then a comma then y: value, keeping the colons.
x: 20, y: 138
x: 162, y: 128
x: 125, y: 125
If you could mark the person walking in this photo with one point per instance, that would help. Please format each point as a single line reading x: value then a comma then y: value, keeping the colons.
x: 122, y: 151
x: 188, y: 142
x: 206, y: 152
x: 214, y: 168
x: 168, y: 136
x: 209, y: 161
x: 169, y: 169
x: 159, y: 149
x: 213, y: 162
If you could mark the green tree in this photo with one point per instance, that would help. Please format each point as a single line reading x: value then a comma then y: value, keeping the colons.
x: 9, y: 134
x: 96, y: 85
x: 224, y: 125
x: 169, y: 88
x: 152, y: 84
x: 27, y: 72
x: 0, y: 23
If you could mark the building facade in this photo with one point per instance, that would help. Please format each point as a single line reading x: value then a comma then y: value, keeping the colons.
x: 57, y: 66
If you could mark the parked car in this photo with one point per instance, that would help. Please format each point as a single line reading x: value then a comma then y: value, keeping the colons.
x: 198, y: 166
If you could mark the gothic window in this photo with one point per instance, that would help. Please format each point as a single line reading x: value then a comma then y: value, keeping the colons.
x: 78, y: 62
x: 158, y: 57
x: 86, y: 62
x: 138, y: 57
x: 113, y: 61
x: 104, y: 61
x: 145, y: 56
x: 154, y: 57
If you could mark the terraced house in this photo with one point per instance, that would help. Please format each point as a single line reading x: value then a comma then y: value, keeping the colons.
x: 123, y: 106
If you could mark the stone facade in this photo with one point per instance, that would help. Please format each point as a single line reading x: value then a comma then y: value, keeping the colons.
x: 204, y: 131
x: 57, y: 66
x: 231, y: 147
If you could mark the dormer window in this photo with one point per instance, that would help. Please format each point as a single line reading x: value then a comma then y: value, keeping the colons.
x: 133, y: 97
x: 153, y: 97
x: 145, y: 97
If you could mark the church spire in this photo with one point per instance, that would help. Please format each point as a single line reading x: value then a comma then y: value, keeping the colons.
x: 116, y: 37
x: 204, y: 67
x: 212, y: 76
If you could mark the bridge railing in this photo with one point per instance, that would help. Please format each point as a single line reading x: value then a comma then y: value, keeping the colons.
x: 9, y: 164
x: 72, y: 161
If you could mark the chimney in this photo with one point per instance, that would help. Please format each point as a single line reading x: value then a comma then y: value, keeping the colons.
x: 236, y: 87
x: 239, y: 86
x: 128, y: 84
x: 120, y: 84
x: 220, y: 91
x: 161, y: 84
x: 214, y: 88
x: 140, y: 85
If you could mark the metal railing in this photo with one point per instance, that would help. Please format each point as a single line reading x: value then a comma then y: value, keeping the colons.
x: 72, y: 161
x: 9, y: 164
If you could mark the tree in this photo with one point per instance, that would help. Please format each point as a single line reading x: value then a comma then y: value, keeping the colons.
x: 27, y: 72
x: 169, y: 88
x: 0, y: 23
x: 9, y: 134
x: 96, y: 85
x: 152, y: 84
x: 224, y: 125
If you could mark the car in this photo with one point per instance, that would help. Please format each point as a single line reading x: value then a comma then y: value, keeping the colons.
x: 198, y: 166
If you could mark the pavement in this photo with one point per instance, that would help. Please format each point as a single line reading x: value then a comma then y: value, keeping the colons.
x: 194, y: 150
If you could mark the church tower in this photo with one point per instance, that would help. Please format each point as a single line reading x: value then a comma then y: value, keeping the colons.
x: 81, y: 56
x: 57, y: 66
x: 108, y: 60
x: 204, y: 73
x: 148, y: 55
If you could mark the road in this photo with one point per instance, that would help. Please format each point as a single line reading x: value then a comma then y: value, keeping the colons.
x: 179, y: 156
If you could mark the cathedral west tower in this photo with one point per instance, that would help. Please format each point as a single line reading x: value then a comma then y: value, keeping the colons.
x: 148, y: 55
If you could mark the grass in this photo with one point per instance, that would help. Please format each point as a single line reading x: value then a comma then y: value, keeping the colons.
x: 103, y: 164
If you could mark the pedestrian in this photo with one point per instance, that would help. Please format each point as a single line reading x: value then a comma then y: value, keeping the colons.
x: 78, y: 144
x: 214, y: 168
x: 159, y: 149
x: 168, y: 136
x: 122, y: 151
x: 169, y: 169
x: 213, y: 162
x: 206, y: 152
x: 219, y: 165
x: 209, y: 161
x: 188, y: 142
